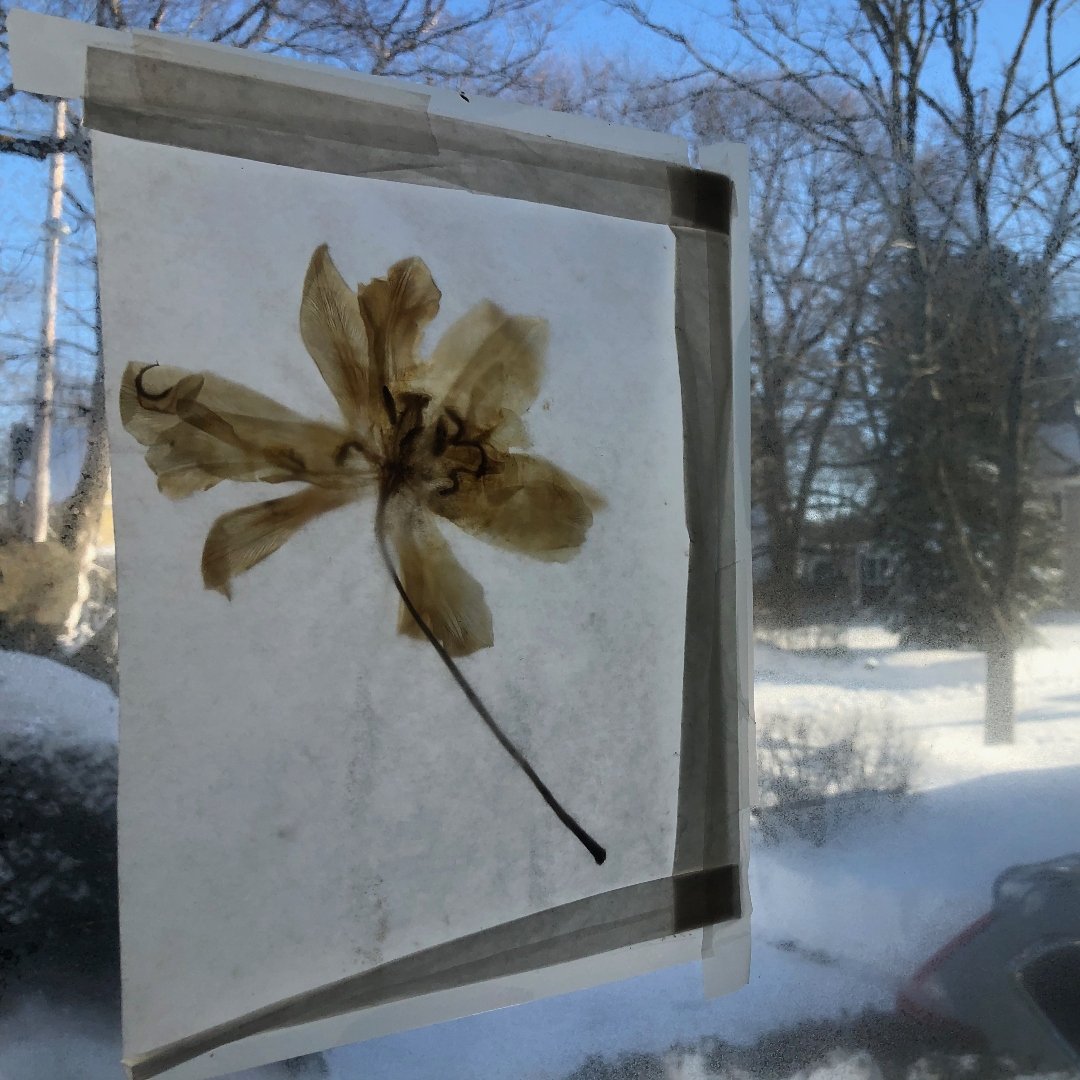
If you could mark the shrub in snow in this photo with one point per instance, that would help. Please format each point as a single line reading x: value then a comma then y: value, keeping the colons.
x: 828, y: 640
x: 814, y: 778
x: 58, y: 884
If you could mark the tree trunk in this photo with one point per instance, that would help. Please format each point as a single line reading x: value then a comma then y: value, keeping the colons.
x: 82, y: 518
x: 783, y: 585
x: 12, y: 473
x: 41, y: 452
x: 83, y: 512
x: 1000, y: 694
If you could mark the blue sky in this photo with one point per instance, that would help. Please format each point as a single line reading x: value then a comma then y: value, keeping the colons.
x: 589, y: 27
x: 599, y: 27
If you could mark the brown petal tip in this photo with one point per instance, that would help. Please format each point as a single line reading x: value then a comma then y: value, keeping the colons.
x: 217, y: 586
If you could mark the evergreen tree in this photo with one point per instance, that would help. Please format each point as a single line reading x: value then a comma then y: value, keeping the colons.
x: 960, y: 507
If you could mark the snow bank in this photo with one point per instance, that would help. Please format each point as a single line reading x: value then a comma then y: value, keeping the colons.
x: 42, y: 697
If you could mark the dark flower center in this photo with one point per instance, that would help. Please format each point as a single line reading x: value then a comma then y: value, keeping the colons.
x: 437, y: 455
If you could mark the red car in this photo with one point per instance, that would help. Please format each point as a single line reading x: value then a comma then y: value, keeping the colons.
x: 1011, y: 980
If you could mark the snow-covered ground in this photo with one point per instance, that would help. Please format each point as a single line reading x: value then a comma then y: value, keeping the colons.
x: 38, y: 695
x: 937, y: 697
x: 835, y: 928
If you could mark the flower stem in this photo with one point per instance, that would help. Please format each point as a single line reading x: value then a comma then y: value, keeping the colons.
x: 594, y: 849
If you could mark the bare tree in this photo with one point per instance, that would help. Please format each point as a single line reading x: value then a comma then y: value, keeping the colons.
x: 891, y: 82
x: 608, y: 88
x: 41, y: 464
x: 815, y: 250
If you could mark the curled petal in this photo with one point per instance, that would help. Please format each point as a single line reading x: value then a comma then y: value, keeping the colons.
x: 487, y: 367
x: 337, y: 339
x: 524, y: 504
x: 201, y: 429
x: 396, y: 309
x: 152, y: 394
x: 446, y: 596
x: 241, y: 539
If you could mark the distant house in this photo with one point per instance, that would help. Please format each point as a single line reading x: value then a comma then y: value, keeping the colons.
x: 843, y: 566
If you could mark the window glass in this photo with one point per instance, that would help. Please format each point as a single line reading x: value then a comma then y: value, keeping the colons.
x: 915, y: 530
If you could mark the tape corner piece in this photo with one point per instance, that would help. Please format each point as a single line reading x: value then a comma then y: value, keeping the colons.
x: 48, y: 54
x: 725, y: 958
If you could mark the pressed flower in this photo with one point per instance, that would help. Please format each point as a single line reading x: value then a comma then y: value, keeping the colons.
x: 442, y: 438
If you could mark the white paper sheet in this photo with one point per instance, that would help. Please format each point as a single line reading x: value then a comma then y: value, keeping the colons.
x: 305, y: 794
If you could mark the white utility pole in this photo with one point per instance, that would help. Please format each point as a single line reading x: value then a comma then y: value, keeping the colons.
x: 40, y: 469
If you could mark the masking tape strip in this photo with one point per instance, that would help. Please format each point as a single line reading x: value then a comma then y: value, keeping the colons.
x: 708, y: 783
x: 572, y: 931
x: 156, y: 100
x: 726, y: 948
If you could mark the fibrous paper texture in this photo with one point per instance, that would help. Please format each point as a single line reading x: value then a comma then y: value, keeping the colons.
x: 409, y: 507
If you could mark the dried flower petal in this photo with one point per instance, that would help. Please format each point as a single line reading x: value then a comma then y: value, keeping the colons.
x: 526, y: 504
x: 337, y: 339
x: 396, y: 309
x: 241, y: 539
x: 487, y: 367
x: 446, y: 596
x: 202, y: 429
